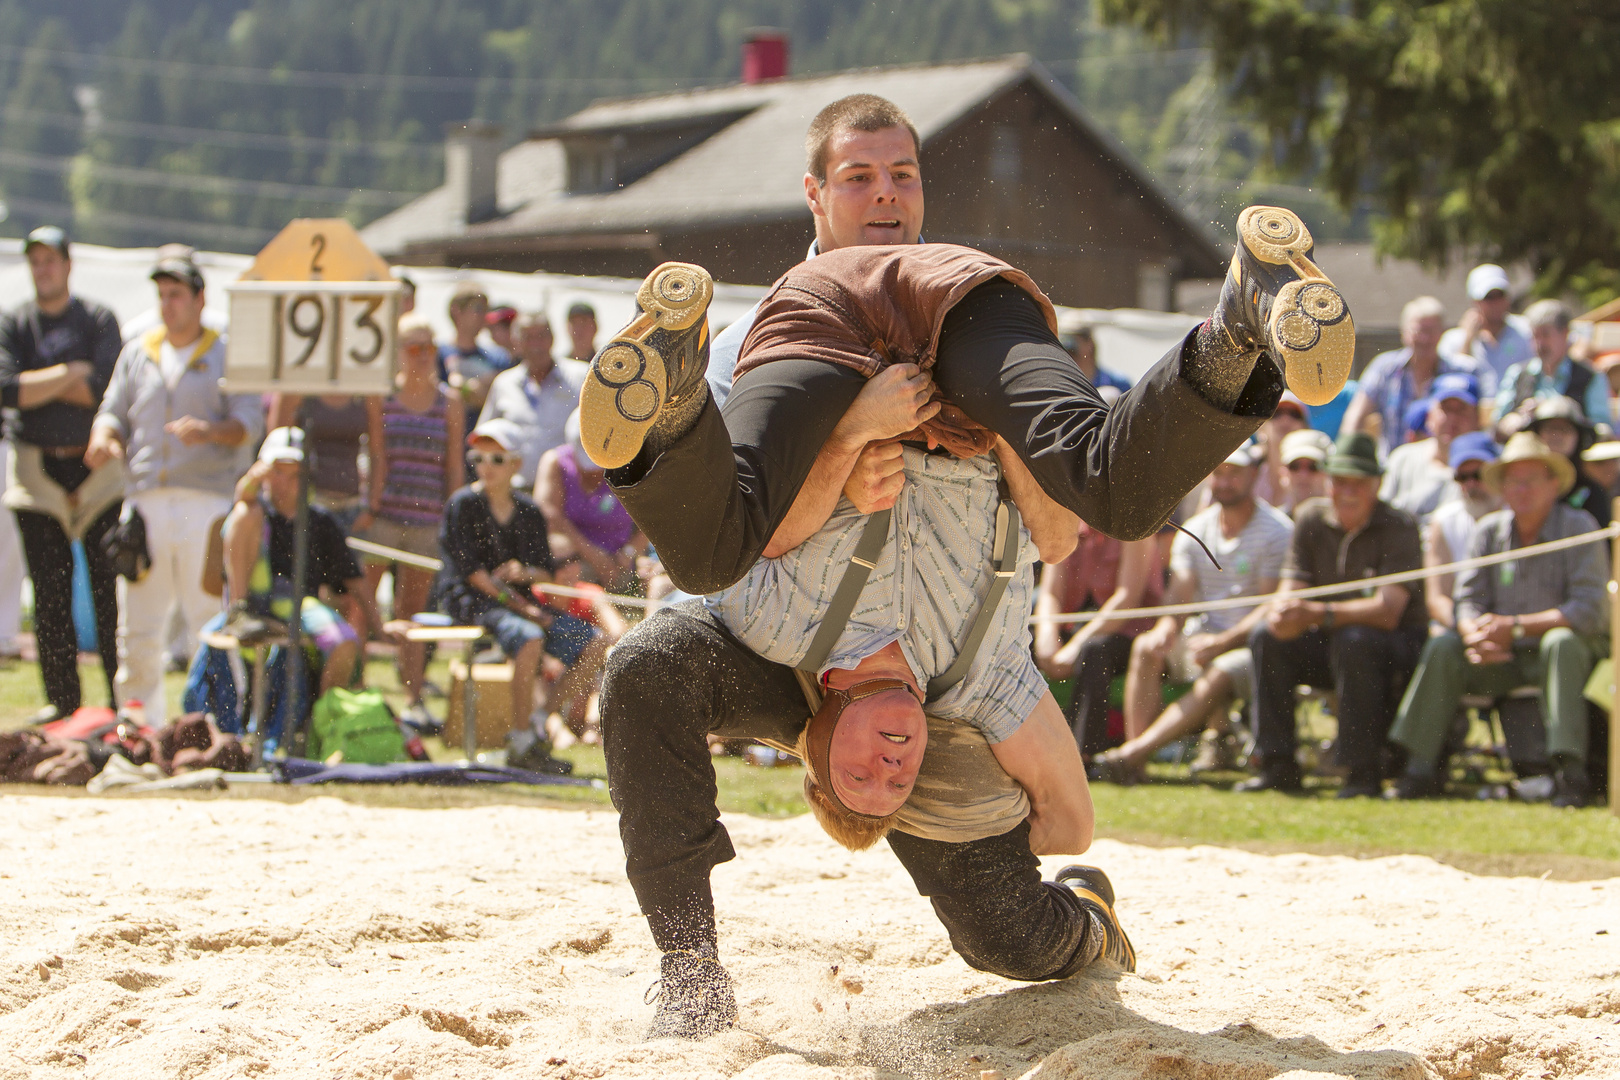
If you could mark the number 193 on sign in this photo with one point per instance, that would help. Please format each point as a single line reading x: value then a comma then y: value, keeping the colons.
x: 327, y: 337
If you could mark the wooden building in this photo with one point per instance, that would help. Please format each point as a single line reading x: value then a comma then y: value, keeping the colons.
x: 1010, y: 163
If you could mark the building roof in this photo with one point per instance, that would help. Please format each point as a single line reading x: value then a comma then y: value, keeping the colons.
x: 750, y: 170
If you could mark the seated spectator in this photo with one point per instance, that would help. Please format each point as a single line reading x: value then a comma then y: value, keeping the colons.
x: 581, y: 332
x: 1303, y: 454
x: 1550, y: 372
x: 1539, y: 621
x: 466, y: 365
x: 1393, y: 380
x: 1249, y: 540
x: 415, y: 467
x: 494, y: 538
x: 1562, y: 426
x: 498, y: 322
x: 1083, y: 347
x: 1600, y: 462
x: 1447, y: 534
x: 590, y: 531
x: 537, y: 395
x: 1417, y: 476
x: 1363, y: 646
x: 1291, y: 416
x: 1103, y: 574
x: 1488, y: 332
x: 259, y: 535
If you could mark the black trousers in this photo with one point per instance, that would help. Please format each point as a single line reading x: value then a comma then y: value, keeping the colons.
x: 1368, y: 669
x: 680, y: 676
x: 710, y: 502
x: 49, y: 554
x: 1104, y: 658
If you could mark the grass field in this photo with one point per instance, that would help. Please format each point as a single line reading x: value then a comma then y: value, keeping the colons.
x: 1484, y: 837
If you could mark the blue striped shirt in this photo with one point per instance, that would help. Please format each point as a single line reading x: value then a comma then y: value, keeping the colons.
x: 924, y: 593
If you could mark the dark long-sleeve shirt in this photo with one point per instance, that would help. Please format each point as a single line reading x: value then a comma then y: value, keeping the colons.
x: 471, y: 540
x: 31, y: 340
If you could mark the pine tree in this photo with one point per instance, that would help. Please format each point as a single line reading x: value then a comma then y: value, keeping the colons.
x: 38, y: 134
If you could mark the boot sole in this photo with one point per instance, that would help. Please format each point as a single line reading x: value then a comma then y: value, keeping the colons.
x: 1092, y: 886
x: 1310, y: 329
x: 629, y: 377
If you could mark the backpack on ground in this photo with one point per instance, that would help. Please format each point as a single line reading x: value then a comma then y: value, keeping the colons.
x: 359, y: 724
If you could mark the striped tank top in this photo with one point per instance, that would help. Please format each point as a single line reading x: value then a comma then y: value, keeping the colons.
x: 416, y: 445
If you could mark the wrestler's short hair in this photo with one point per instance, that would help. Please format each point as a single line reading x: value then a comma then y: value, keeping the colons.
x: 857, y: 832
x: 857, y: 112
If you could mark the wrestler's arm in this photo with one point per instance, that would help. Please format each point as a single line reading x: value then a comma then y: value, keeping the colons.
x: 893, y: 402
x: 1041, y: 756
x: 1054, y: 528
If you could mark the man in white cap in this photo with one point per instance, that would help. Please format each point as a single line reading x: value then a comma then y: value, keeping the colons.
x: 1304, y: 454
x: 1541, y: 621
x: 1488, y: 332
x: 1249, y: 539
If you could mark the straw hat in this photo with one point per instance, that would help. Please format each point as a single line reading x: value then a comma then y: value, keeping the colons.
x: 1528, y: 446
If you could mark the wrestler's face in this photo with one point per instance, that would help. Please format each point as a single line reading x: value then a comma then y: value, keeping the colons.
x: 873, y: 191
x: 877, y: 750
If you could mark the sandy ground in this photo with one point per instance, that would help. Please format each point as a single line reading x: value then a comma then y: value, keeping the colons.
x: 157, y: 937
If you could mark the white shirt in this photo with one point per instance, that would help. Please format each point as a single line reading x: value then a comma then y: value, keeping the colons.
x: 1414, y: 481
x: 1513, y: 346
x: 1250, y: 558
x: 540, y: 410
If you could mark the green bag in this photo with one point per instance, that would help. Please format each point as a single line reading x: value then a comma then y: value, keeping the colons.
x: 357, y: 723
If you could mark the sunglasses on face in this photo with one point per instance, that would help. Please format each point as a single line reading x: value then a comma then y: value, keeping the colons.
x: 478, y: 457
x: 1303, y: 465
x: 1471, y: 477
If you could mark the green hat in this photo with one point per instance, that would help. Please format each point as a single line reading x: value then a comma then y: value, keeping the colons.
x: 1355, y: 454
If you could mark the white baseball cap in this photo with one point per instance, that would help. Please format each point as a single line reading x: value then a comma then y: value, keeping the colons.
x: 283, y: 444
x: 500, y: 430
x: 1305, y: 444
x: 1486, y: 277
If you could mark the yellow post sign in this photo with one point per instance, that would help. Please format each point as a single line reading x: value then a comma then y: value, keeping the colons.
x: 314, y: 314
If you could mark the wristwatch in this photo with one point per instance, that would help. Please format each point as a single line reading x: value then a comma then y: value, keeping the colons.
x: 1518, y: 629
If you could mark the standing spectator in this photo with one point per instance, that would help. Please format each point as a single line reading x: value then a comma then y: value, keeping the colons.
x: 588, y: 525
x: 414, y: 470
x: 1304, y: 453
x: 407, y: 294
x: 165, y: 415
x: 1083, y: 347
x: 1538, y: 621
x: 57, y: 355
x: 581, y: 332
x: 1450, y: 528
x: 499, y: 323
x: 465, y: 365
x: 1488, y: 332
x: 340, y: 431
x: 1291, y: 416
x: 1550, y: 372
x: 259, y: 540
x: 1363, y: 646
x: 537, y: 395
x: 1417, y: 476
x: 1249, y: 539
x: 494, y: 538
x: 1103, y: 574
x: 1600, y: 462
x: 1559, y: 422
x: 12, y: 569
x: 1394, y: 380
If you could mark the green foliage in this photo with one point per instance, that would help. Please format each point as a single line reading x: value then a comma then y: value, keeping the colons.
x: 1472, y: 125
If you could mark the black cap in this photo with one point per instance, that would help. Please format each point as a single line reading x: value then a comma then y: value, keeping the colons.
x: 51, y: 236
x: 178, y: 261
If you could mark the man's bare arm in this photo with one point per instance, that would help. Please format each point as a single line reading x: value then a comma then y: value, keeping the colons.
x: 1041, y: 756
x: 892, y: 402
x: 1054, y: 527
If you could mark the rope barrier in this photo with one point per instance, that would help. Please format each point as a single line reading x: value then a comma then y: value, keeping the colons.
x: 425, y: 562
x: 1338, y: 590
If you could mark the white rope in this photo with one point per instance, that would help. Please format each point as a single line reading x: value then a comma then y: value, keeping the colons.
x: 1339, y: 589
x: 426, y: 562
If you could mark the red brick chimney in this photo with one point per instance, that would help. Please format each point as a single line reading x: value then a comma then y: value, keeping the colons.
x: 765, y: 54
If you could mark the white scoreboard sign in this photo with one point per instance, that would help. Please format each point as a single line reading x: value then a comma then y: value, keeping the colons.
x: 312, y: 337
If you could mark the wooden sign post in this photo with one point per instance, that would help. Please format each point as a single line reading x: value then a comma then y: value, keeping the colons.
x: 315, y: 314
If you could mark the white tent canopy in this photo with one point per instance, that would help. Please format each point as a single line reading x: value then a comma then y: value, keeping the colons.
x: 1129, y: 341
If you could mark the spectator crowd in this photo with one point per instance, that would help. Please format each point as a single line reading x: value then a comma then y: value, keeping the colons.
x: 181, y: 498
x: 1471, y: 440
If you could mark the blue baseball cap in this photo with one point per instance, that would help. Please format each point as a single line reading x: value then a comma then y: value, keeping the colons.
x: 1474, y: 446
x: 1455, y: 384
x: 1416, y: 418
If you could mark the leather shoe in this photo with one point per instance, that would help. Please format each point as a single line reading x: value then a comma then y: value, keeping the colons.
x: 1269, y: 780
x: 1414, y: 786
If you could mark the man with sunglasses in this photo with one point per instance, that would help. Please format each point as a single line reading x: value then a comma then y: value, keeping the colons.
x: 1449, y: 529
x: 494, y: 547
x: 1418, y: 475
x: 1303, y: 455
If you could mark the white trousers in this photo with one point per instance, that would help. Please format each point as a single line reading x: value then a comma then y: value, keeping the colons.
x: 12, y: 567
x: 177, y: 535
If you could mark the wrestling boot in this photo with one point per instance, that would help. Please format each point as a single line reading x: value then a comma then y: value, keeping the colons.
x: 694, y: 996
x: 1096, y: 894
x: 1276, y: 300
x: 651, y: 368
